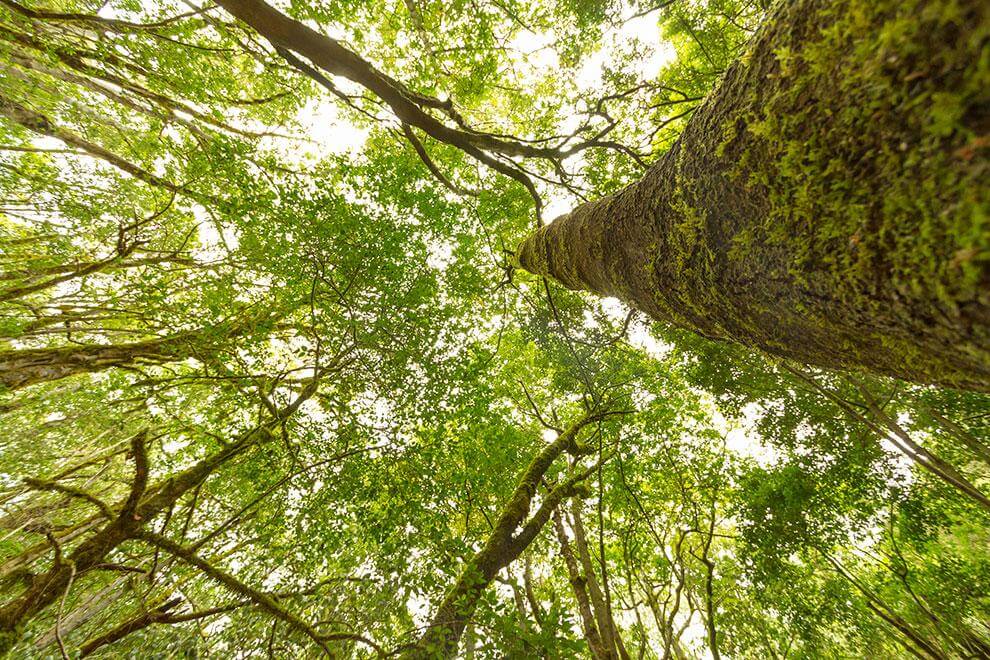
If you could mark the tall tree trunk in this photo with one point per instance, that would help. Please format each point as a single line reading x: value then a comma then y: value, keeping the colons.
x: 603, y: 615
x: 828, y: 202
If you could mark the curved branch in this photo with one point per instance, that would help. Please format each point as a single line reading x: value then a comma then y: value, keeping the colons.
x: 259, y: 598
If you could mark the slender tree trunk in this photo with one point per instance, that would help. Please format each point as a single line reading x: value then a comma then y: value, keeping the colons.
x: 59, y: 274
x: 885, y: 612
x: 534, y: 604
x: 975, y: 445
x: 97, y: 604
x: 827, y: 203
x: 710, y: 608
x: 138, y: 622
x: 887, y: 427
x: 588, y: 624
x: 610, y: 635
x: 34, y: 121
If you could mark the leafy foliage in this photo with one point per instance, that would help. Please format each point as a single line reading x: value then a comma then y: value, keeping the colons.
x: 269, y: 385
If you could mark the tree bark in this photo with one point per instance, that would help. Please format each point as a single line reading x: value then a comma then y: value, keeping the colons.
x: 606, y: 626
x: 827, y: 203
x: 38, y: 365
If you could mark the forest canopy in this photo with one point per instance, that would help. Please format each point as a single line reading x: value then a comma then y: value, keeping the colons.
x: 495, y: 329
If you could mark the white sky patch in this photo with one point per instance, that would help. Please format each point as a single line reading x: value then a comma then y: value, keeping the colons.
x: 535, y: 49
x: 160, y: 165
x: 589, y: 75
x: 646, y: 29
x: 173, y: 445
x: 641, y: 337
x: 46, y: 142
x: 216, y: 626
x: 614, y: 308
x: 556, y: 205
x: 441, y: 254
x: 214, y: 243
x: 534, y: 52
x: 742, y: 438
x: 153, y: 407
x: 323, y: 122
x: 418, y: 607
x: 903, y: 467
x: 275, y: 578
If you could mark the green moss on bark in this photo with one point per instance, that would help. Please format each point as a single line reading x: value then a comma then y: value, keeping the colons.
x: 886, y: 211
x: 828, y: 203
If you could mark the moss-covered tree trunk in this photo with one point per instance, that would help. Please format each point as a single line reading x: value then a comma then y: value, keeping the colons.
x: 512, y: 534
x: 829, y: 202
x: 28, y: 366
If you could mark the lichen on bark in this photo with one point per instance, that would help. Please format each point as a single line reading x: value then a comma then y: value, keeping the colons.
x: 827, y: 203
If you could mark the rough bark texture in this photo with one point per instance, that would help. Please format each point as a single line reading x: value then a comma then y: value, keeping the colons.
x: 828, y: 203
x: 38, y: 365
